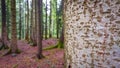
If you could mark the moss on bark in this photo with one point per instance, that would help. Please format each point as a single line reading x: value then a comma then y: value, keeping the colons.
x: 59, y: 45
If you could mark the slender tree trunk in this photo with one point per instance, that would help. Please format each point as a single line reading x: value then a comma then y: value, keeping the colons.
x: 50, y: 31
x: 57, y: 23
x: 42, y: 27
x: 4, y: 28
x: 20, y: 25
x: 33, y: 23
x: 35, y: 31
x: 62, y: 36
x: 8, y: 19
x: 39, y: 34
x: 27, y: 30
x: 25, y: 18
x: 14, y: 31
x: 46, y: 22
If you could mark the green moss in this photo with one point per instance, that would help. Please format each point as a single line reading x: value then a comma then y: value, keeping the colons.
x: 51, y: 47
x: 59, y: 45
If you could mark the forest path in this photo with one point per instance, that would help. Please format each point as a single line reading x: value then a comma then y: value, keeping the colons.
x: 27, y: 58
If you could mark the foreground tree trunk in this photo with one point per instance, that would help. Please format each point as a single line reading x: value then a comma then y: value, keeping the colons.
x: 14, y: 48
x: 39, y: 31
x: 4, y: 28
x: 92, y: 33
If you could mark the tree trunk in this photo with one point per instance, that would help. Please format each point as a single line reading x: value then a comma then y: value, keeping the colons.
x: 50, y: 31
x: 20, y: 25
x: 4, y: 28
x: 27, y: 30
x: 39, y: 32
x: 14, y: 31
x: 92, y: 33
x: 57, y: 22
x: 8, y: 19
x: 46, y: 22
x: 31, y: 24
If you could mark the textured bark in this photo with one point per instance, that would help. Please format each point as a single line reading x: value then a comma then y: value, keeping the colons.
x: 27, y: 30
x: 4, y: 28
x: 31, y: 24
x: 39, y: 32
x: 20, y: 24
x: 50, y: 20
x: 33, y: 30
x: 35, y: 24
x: 14, y: 31
x: 8, y: 19
x: 46, y: 22
x: 57, y: 22
x: 92, y: 33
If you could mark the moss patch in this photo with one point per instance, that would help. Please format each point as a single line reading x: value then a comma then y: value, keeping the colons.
x: 59, y: 45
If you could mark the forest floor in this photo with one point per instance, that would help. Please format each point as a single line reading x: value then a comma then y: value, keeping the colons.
x: 27, y: 58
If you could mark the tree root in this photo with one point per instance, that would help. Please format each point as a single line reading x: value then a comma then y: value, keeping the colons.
x: 3, y: 47
x: 9, y: 51
x: 32, y: 43
x: 40, y: 56
x: 59, y: 45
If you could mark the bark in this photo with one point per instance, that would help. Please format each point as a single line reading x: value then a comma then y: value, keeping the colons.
x: 50, y: 31
x: 33, y: 38
x: 4, y: 28
x: 39, y: 32
x: 20, y: 25
x: 31, y: 24
x: 8, y: 19
x: 57, y: 22
x: 14, y: 48
x: 46, y: 22
x: 27, y: 30
x: 92, y: 33
x: 62, y: 36
x: 35, y: 28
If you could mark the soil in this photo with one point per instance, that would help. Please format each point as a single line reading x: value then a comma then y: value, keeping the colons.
x: 27, y: 58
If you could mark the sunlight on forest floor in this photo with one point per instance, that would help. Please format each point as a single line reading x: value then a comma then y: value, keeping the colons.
x: 27, y: 58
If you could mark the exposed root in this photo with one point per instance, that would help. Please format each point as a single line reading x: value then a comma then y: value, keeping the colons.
x: 50, y: 47
x: 59, y: 45
x: 40, y: 56
x: 9, y: 51
x: 3, y: 47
